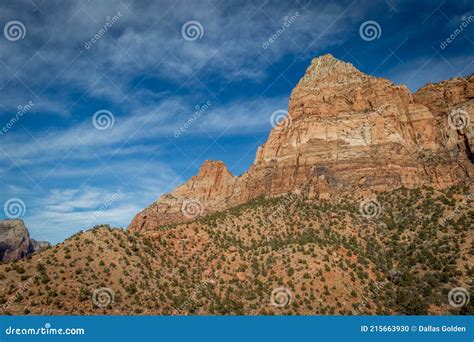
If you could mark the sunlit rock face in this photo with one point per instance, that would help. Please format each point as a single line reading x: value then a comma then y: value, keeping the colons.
x: 345, y: 132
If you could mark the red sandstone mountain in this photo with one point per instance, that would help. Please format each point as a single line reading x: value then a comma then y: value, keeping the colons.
x: 15, y: 241
x: 345, y: 131
x: 346, y: 134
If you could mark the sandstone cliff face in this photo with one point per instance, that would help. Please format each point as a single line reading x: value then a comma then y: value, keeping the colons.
x: 440, y: 98
x: 15, y: 242
x: 345, y: 131
x: 452, y: 104
x: 212, y: 186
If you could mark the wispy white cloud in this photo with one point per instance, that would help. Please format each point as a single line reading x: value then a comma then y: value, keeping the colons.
x: 151, y: 79
x: 421, y: 71
x: 147, y: 40
x: 130, y: 133
x: 59, y: 212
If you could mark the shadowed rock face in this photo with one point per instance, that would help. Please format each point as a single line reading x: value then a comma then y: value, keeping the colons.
x: 345, y: 132
x: 15, y: 242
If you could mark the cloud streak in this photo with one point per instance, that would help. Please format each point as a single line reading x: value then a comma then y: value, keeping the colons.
x: 142, y: 70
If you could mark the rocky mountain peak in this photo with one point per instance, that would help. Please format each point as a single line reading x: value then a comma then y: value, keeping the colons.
x: 14, y: 227
x: 212, y: 167
x: 328, y: 71
x: 15, y: 242
x: 346, y: 131
x: 331, y: 86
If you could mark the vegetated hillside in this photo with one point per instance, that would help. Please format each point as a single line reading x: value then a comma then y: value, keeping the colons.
x: 288, y: 255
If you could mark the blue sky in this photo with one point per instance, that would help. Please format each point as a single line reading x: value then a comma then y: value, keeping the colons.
x: 141, y: 70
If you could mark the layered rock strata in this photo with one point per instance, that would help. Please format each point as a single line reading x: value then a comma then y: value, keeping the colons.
x: 345, y: 131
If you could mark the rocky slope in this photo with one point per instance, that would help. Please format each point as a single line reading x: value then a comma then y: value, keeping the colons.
x: 345, y: 132
x: 282, y: 256
x: 15, y: 242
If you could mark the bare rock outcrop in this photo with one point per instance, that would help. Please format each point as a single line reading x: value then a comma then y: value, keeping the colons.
x: 15, y: 242
x: 452, y: 104
x: 345, y: 131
